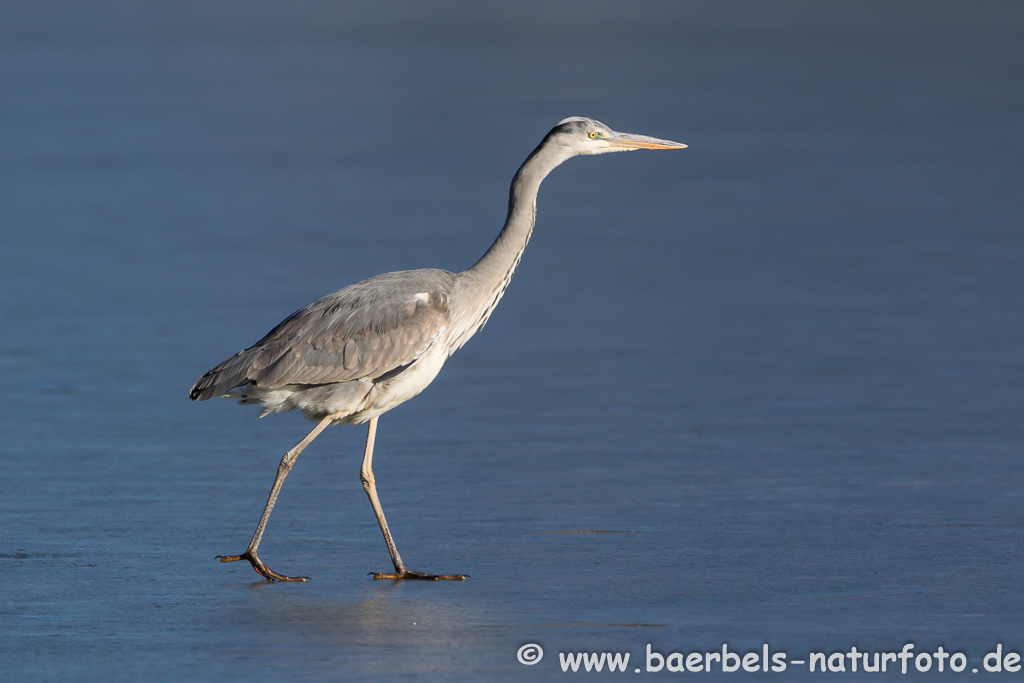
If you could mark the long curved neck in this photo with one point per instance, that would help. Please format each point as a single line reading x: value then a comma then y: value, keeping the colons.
x: 479, y: 289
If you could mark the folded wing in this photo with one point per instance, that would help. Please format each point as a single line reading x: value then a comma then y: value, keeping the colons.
x: 366, y: 330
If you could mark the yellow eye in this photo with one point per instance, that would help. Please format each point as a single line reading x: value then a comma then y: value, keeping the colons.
x: 593, y: 134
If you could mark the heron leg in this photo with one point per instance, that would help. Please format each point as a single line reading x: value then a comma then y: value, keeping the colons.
x: 370, y: 486
x: 287, y: 462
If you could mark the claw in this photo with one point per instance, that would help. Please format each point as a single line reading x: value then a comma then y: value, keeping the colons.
x: 409, y: 574
x: 260, y: 568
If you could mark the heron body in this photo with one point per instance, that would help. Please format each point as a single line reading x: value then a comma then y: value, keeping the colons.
x: 358, y: 352
x: 351, y: 355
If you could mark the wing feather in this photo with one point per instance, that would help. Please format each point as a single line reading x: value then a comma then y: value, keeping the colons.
x: 362, y: 331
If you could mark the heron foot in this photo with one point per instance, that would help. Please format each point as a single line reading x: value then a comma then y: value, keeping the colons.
x: 409, y: 574
x: 261, y: 569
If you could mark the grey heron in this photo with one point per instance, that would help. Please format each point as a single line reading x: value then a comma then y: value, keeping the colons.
x: 353, y: 355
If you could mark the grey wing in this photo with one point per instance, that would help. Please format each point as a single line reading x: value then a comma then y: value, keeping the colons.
x: 367, y: 330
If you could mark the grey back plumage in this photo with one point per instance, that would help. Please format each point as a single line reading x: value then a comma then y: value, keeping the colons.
x: 366, y: 330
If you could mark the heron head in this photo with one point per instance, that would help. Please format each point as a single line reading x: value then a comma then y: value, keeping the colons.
x: 587, y: 136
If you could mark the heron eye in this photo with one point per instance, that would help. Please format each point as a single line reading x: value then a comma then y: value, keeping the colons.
x: 593, y: 134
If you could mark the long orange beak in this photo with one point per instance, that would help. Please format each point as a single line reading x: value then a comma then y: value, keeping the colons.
x: 631, y: 141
